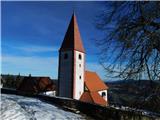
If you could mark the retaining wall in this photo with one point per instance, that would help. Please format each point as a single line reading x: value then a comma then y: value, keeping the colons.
x: 95, y: 111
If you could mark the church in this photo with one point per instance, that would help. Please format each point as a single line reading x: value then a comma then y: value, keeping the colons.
x: 74, y: 81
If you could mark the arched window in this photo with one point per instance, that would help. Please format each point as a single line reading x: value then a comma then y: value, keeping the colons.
x: 103, y: 94
x: 65, y: 56
x: 80, y: 77
x: 80, y: 56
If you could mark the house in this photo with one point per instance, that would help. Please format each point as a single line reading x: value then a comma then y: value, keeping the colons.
x: 95, y: 90
x: 35, y: 85
x: 73, y: 80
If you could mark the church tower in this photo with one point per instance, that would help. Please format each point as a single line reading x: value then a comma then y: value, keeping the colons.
x: 71, y: 63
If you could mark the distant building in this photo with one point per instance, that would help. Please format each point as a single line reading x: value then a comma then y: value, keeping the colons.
x: 73, y: 81
x: 36, y: 85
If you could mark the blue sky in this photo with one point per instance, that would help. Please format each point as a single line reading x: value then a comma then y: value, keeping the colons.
x: 32, y: 33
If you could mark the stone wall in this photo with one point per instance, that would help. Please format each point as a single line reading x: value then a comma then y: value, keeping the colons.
x: 95, y: 111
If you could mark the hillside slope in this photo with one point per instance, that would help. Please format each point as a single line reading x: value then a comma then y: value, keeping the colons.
x: 142, y: 94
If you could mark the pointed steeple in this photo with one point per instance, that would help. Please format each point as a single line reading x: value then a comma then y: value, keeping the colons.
x: 72, y: 39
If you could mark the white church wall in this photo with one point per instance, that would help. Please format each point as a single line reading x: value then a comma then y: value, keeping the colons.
x: 65, y: 78
x: 79, y: 75
x: 100, y: 93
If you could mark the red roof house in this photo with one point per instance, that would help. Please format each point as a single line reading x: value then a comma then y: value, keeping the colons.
x: 93, y: 82
x: 95, y: 89
x: 36, y: 85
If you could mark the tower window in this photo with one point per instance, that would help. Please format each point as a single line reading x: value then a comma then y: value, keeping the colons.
x: 65, y: 56
x: 103, y: 94
x: 80, y: 56
x: 80, y: 77
x: 79, y: 65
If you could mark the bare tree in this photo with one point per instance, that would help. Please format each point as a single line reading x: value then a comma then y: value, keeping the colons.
x: 131, y: 47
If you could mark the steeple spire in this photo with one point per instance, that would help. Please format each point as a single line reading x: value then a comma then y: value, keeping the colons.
x: 71, y: 63
x: 72, y: 39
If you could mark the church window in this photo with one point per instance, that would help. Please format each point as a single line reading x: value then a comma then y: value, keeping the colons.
x: 79, y: 65
x: 103, y: 94
x: 80, y: 77
x: 80, y: 56
x: 65, y: 56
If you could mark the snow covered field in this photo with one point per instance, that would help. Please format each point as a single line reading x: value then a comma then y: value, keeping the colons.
x: 23, y: 108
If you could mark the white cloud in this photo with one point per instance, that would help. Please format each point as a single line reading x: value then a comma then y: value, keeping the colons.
x: 37, y: 48
x: 47, y: 66
x: 43, y: 66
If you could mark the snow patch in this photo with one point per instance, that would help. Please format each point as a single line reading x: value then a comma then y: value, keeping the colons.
x: 24, y: 108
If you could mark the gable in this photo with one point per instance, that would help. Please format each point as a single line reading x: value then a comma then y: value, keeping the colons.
x: 93, y: 82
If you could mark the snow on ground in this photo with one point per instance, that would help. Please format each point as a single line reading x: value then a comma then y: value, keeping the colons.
x: 143, y: 112
x: 15, y: 107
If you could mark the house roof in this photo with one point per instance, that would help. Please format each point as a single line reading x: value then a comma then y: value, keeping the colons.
x: 36, y: 84
x: 72, y: 39
x: 93, y: 82
x: 93, y: 97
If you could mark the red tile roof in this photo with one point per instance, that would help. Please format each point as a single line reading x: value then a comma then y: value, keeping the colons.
x: 93, y: 82
x: 36, y: 84
x: 72, y: 39
x: 93, y: 97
